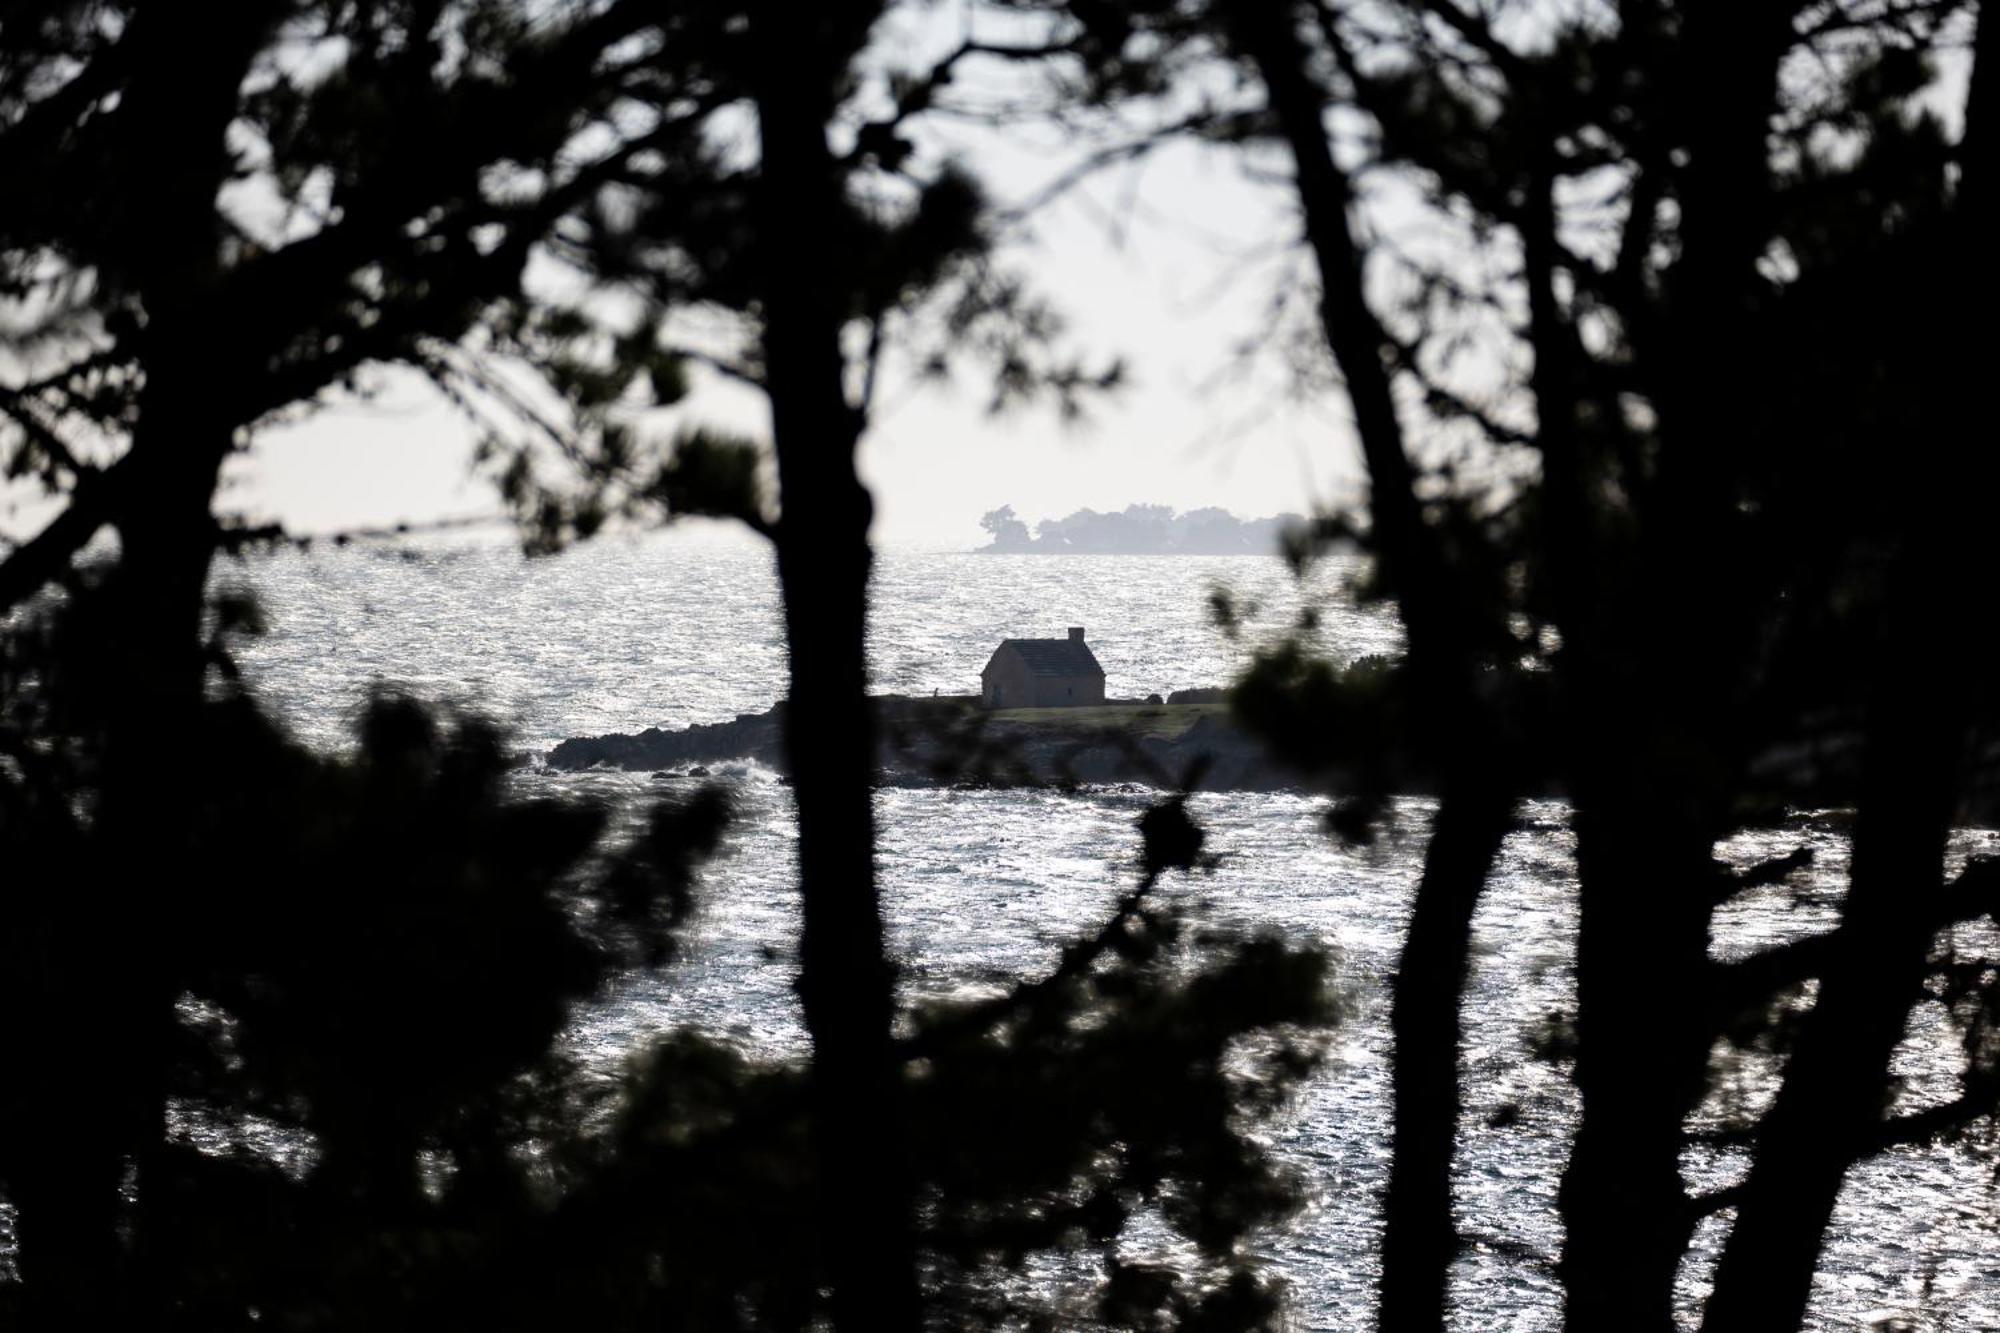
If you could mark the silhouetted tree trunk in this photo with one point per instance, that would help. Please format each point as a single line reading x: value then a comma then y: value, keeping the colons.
x: 1640, y: 1066
x: 1831, y: 1107
x: 1648, y: 558
x: 1649, y: 721
x: 149, y: 824
x: 220, y: 335
x: 846, y: 980
x: 111, y: 1016
x: 1420, y: 1239
x: 1641, y: 849
x: 1836, y: 1086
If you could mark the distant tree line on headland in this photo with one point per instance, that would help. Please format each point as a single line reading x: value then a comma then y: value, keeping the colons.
x: 1138, y: 529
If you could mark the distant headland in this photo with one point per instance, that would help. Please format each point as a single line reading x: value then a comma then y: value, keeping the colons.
x: 1139, y: 529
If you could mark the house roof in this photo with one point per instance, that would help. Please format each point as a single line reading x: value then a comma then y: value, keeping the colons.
x: 1053, y: 657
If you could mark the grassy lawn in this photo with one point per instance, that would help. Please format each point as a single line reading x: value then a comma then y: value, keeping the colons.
x: 1137, y: 719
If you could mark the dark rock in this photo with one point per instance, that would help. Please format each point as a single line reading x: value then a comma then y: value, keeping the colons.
x: 946, y: 741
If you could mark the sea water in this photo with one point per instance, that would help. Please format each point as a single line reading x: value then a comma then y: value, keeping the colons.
x: 683, y: 627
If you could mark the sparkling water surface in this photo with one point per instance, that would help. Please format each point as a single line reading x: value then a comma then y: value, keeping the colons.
x: 682, y: 627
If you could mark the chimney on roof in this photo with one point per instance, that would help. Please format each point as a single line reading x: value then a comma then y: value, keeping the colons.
x: 1076, y: 634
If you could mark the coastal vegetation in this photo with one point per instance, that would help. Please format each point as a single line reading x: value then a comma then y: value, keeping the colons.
x: 1137, y: 529
x: 1668, y: 474
x: 226, y: 1125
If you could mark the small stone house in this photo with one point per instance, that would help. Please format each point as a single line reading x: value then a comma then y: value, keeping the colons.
x: 1042, y: 673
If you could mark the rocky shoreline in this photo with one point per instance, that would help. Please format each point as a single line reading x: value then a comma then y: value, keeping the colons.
x: 1189, y: 741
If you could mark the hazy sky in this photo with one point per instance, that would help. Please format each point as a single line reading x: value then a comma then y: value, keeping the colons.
x: 1171, y: 265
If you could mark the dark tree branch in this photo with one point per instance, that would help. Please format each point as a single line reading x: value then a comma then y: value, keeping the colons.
x: 1752, y: 981
x: 44, y: 557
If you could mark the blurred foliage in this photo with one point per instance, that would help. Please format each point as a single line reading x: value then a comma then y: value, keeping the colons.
x: 377, y: 1120
x: 292, y: 1026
